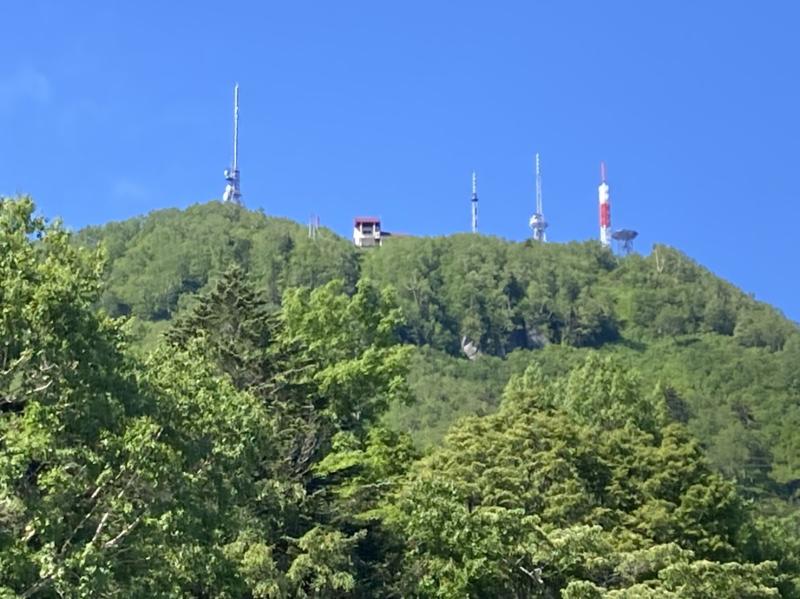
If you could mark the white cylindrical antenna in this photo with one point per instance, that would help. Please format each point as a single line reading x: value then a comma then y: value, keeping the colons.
x: 604, y: 204
x: 232, y: 190
x: 474, y: 202
x: 236, y: 127
x: 538, y: 223
x: 538, y: 185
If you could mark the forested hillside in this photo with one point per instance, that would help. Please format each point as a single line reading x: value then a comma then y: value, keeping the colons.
x: 206, y: 403
x: 156, y: 261
x: 728, y: 359
x: 498, y: 294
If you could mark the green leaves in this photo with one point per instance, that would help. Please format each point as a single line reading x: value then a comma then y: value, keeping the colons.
x: 359, y: 368
x: 605, y: 394
x: 717, y: 348
x: 683, y: 577
x: 169, y: 476
x: 582, y: 489
x: 246, y: 455
x: 158, y: 261
x: 324, y: 566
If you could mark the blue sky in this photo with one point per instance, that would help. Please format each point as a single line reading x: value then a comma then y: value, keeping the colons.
x: 110, y: 110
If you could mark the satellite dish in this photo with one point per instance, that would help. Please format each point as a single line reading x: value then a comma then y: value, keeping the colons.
x: 625, y: 237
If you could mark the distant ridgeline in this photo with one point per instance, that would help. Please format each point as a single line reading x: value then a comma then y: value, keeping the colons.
x: 728, y: 364
x: 157, y: 261
x: 497, y: 294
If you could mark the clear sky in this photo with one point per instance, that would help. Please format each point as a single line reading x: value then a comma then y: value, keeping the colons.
x: 113, y: 109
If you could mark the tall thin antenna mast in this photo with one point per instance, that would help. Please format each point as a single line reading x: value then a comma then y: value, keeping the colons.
x: 474, y: 202
x: 538, y: 223
x: 538, y: 186
x: 233, y: 192
x: 236, y: 128
x: 604, y: 205
x: 313, y: 227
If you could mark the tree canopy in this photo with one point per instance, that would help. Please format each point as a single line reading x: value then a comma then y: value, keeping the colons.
x: 542, y: 499
x: 190, y: 472
x: 209, y: 404
x: 724, y: 358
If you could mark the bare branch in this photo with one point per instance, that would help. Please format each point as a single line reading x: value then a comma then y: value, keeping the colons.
x: 100, y: 527
x: 37, y: 586
x: 123, y: 533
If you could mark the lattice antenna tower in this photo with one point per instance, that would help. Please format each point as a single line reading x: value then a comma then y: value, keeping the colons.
x: 313, y: 227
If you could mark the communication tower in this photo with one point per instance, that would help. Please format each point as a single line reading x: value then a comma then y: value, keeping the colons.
x: 233, y: 193
x: 474, y: 202
x: 313, y: 226
x: 605, y: 207
x: 538, y: 223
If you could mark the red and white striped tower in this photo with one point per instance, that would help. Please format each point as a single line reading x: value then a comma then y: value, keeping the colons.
x: 605, y: 208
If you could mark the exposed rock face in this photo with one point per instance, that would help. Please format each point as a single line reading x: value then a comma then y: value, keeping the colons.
x: 469, y: 348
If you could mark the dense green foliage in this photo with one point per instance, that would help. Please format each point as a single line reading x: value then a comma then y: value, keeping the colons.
x: 742, y: 402
x: 158, y: 259
x: 499, y: 295
x: 191, y: 472
x: 627, y: 429
x: 504, y: 295
x: 580, y: 486
x: 728, y: 360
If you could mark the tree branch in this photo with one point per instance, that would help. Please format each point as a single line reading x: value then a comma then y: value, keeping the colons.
x: 123, y: 533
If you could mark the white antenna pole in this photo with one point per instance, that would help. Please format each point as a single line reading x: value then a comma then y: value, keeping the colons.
x: 605, y: 207
x: 538, y: 223
x: 236, y: 127
x: 474, y: 202
x: 538, y: 186
x: 233, y: 192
